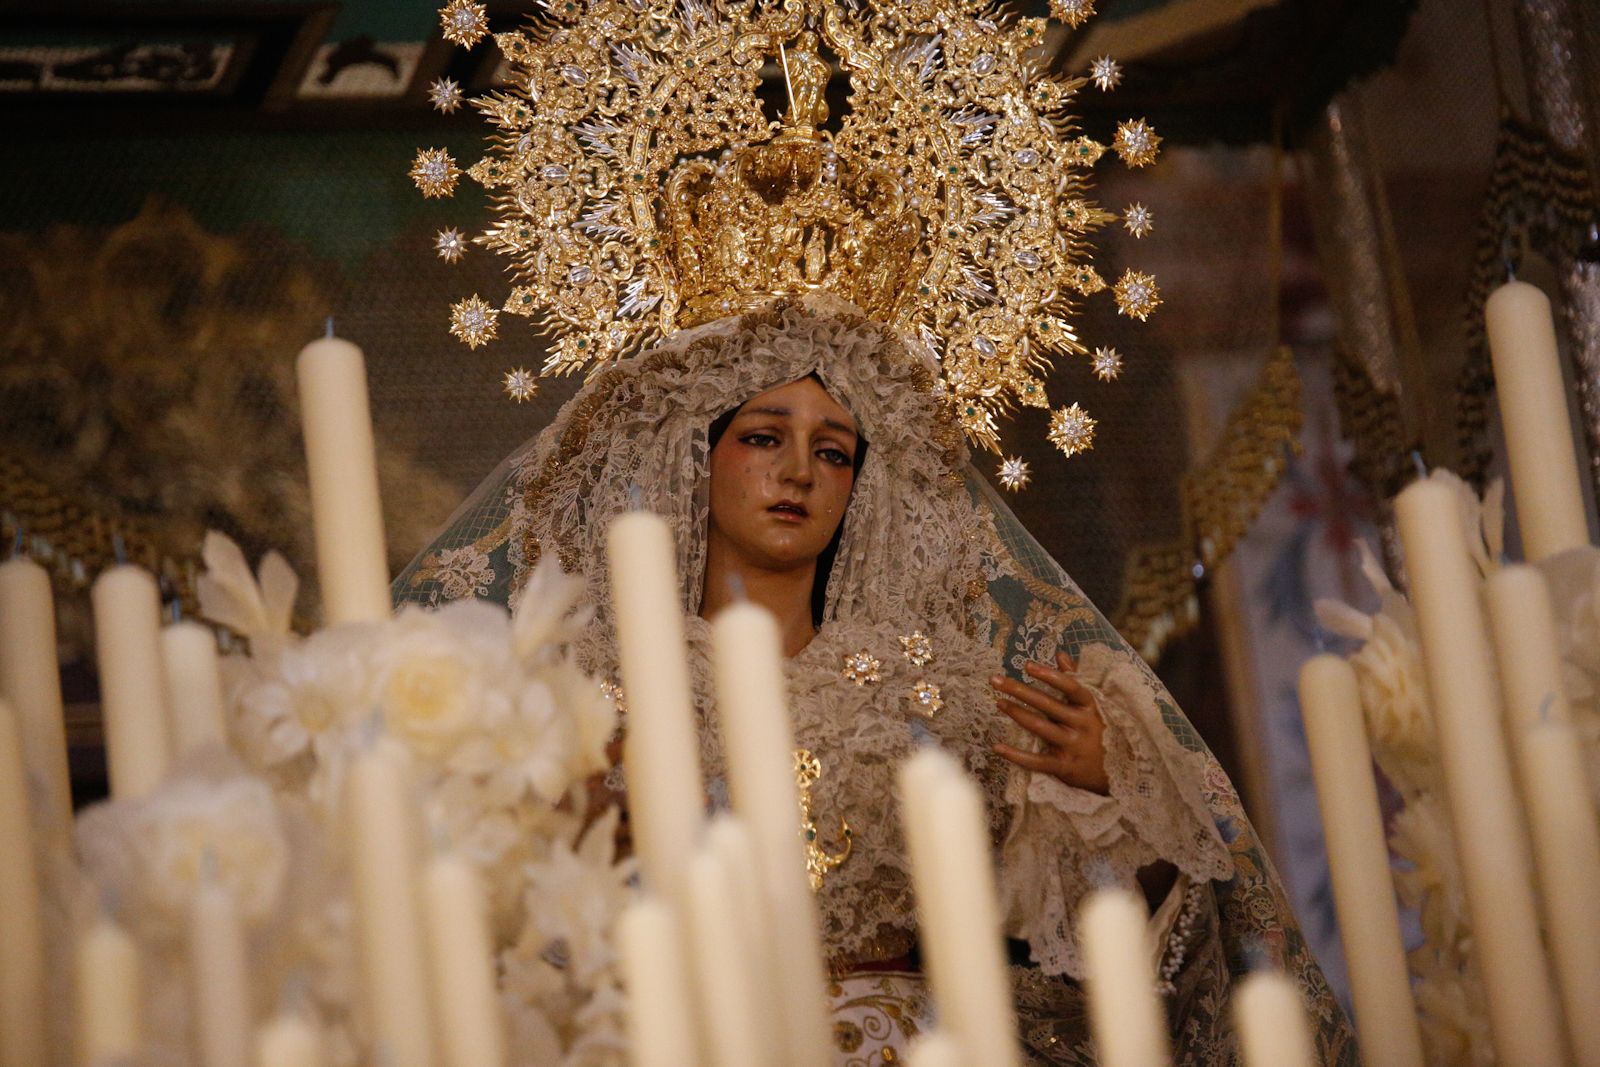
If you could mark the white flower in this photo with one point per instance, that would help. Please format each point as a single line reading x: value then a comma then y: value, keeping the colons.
x: 258, y: 606
x: 544, y: 615
x: 574, y: 896
x: 304, y: 695
x: 433, y: 673
x: 231, y: 825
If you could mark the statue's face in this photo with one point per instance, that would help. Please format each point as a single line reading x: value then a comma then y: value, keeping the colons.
x: 781, y: 476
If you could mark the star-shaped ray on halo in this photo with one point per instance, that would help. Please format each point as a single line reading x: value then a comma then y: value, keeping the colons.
x: 450, y: 245
x: 521, y: 384
x: 1137, y: 295
x: 445, y: 95
x: 1073, y: 12
x: 1136, y: 142
x: 1072, y: 430
x: 1138, y: 220
x: 1014, y: 473
x: 435, y: 172
x: 1105, y: 73
x: 1107, y: 363
x: 464, y: 22
x: 474, y: 321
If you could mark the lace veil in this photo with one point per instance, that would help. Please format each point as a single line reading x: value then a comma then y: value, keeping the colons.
x: 926, y: 547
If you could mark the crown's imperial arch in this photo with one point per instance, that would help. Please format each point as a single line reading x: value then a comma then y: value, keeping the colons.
x: 639, y: 187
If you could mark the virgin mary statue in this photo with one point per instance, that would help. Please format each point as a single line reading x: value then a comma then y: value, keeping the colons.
x: 820, y: 329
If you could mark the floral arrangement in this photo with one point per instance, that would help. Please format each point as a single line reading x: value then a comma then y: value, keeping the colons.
x: 504, y: 734
x: 1394, y: 699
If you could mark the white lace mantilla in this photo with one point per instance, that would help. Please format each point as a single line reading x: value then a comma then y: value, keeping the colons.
x: 912, y: 556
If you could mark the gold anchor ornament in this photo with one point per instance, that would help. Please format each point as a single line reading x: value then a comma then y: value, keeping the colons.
x: 819, y: 861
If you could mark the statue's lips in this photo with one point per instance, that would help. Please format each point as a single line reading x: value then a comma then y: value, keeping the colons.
x: 788, y: 511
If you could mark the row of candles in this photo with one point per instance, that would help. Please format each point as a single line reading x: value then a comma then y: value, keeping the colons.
x: 720, y: 951
x: 1520, y: 802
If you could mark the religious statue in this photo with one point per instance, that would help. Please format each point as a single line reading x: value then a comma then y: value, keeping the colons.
x: 808, y: 441
x: 806, y: 74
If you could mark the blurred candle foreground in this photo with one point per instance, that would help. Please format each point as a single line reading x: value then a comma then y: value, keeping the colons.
x: 1126, y: 1019
x: 1496, y: 867
x: 661, y: 757
x: 289, y: 1041
x: 22, y: 997
x: 108, y: 985
x: 1533, y: 412
x: 936, y: 1049
x: 342, y: 464
x: 1556, y: 794
x: 759, y: 741
x: 30, y: 679
x: 220, y: 976
x: 728, y: 1031
x: 1358, y: 863
x: 127, y: 626
x: 194, y: 687
x: 660, y: 987
x: 1271, y: 1022
x: 472, y: 1031
x: 957, y: 910
x: 735, y: 849
x: 388, y: 914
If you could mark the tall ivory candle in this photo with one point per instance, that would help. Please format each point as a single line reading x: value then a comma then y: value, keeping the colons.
x: 1555, y: 792
x: 1125, y: 1019
x: 289, y: 1041
x: 727, y: 1006
x: 1358, y: 862
x: 194, y: 687
x: 22, y: 999
x: 959, y: 919
x: 661, y: 754
x: 108, y: 985
x: 30, y: 679
x: 219, y: 973
x: 341, y: 461
x: 1533, y: 410
x: 388, y: 912
x: 735, y: 850
x: 1271, y: 1022
x: 661, y: 1030
x: 936, y: 1049
x: 471, y: 1027
x: 1524, y: 1018
x: 759, y: 741
x: 127, y: 624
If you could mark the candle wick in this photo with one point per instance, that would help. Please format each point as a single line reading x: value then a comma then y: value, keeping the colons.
x: 736, y: 588
x: 18, y: 539
x: 635, y: 497
x: 329, y: 327
x: 1421, y: 465
x: 1511, y: 269
x: 1319, y: 635
x: 119, y: 548
x: 1544, y: 707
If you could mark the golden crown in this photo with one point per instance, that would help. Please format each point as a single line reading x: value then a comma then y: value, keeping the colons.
x: 639, y: 187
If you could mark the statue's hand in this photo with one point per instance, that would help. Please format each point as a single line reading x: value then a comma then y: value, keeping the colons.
x: 1067, y: 720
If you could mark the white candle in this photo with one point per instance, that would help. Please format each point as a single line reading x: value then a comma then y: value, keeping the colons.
x: 108, y: 1015
x: 30, y: 679
x: 727, y: 1007
x: 1556, y: 794
x: 220, y: 975
x: 759, y: 742
x: 1358, y: 863
x: 194, y: 687
x: 388, y: 913
x: 1524, y: 1018
x: 957, y: 910
x: 935, y: 1049
x: 1533, y: 410
x: 127, y: 624
x: 1271, y: 1022
x: 22, y: 999
x: 661, y: 1028
x: 735, y: 850
x: 289, y: 1041
x: 341, y: 460
x: 471, y: 1028
x: 1125, y: 1018
x: 661, y: 756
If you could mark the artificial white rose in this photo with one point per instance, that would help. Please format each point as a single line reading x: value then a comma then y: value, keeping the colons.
x: 232, y: 825
x: 310, y: 691
x: 434, y: 673
x: 574, y: 897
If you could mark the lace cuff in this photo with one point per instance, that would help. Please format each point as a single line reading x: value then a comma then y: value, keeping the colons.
x: 1064, y: 841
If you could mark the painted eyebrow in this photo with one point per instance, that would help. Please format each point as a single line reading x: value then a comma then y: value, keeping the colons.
x: 786, y: 412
